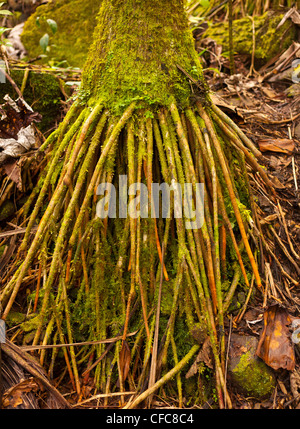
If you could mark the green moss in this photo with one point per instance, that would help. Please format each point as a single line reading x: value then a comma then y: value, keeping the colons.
x: 253, y: 376
x: 139, y: 62
x: 42, y: 93
x: 2, y: 249
x: 268, y: 40
x: 7, y: 210
x: 15, y: 318
x: 76, y: 20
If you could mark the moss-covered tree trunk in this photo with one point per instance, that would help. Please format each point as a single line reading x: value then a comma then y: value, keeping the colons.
x: 135, y: 51
x: 156, y: 286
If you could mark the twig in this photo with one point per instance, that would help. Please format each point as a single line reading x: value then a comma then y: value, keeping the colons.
x: 285, y: 251
x: 13, y: 83
x: 231, y: 46
x: 238, y: 318
x: 16, y: 232
x: 103, y: 395
x: 282, y: 216
x: 293, y: 162
x: 252, y: 69
x: 283, y: 121
x: 227, y: 354
x: 155, y: 341
x: 164, y: 379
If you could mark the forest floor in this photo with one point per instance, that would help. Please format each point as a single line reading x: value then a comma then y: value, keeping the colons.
x: 266, y: 106
x: 263, y: 104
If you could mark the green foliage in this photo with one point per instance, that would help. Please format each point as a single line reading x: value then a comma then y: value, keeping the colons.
x: 4, y: 12
x: 45, y: 39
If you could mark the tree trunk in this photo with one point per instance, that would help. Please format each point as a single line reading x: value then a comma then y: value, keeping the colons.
x: 143, y: 111
x: 136, y: 48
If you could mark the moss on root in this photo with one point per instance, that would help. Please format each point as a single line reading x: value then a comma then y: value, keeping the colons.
x: 75, y: 20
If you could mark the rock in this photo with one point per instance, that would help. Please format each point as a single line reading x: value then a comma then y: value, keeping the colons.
x: 248, y: 373
x: 75, y: 19
x: 269, y: 40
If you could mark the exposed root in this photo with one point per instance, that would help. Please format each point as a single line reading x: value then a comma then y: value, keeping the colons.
x: 90, y: 271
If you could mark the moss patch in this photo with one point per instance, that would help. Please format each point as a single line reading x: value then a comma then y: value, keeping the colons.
x: 7, y: 210
x: 76, y: 20
x: 139, y: 62
x: 249, y: 373
x: 42, y: 93
x: 268, y: 40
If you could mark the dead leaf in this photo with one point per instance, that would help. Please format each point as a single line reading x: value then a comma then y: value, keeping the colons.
x: 268, y: 219
x: 269, y: 92
x: 276, y: 182
x: 275, y: 347
x: 292, y: 51
x: 15, y: 116
x: 205, y: 355
x: 295, y: 383
x: 276, y: 145
x: 293, y: 14
x: 13, y: 396
x: 222, y: 103
x: 125, y: 357
x: 13, y: 171
x: 16, y: 129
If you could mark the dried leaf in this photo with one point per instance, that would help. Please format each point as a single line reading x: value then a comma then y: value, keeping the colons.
x: 275, y: 347
x: 13, y: 171
x: 276, y: 182
x: 205, y: 355
x: 295, y: 383
x: 13, y: 396
x: 276, y: 145
x: 15, y: 116
x: 125, y: 357
x: 269, y: 92
x: 16, y: 130
x: 222, y: 103
x: 293, y: 14
x: 293, y: 49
